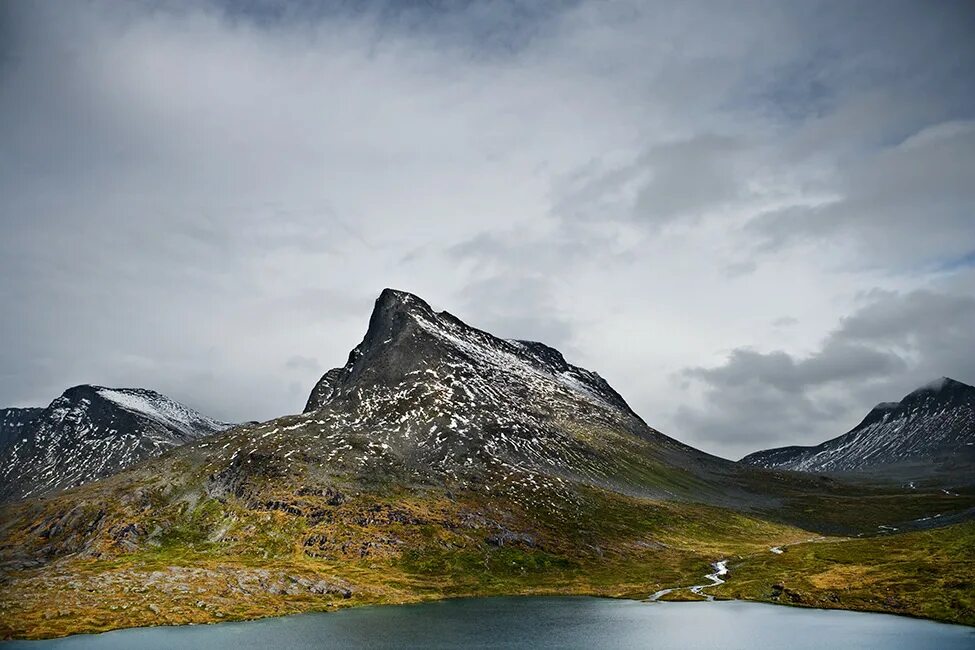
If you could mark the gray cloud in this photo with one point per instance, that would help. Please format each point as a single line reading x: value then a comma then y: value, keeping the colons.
x: 904, y: 205
x: 892, y: 344
x: 299, y: 362
x: 668, y: 181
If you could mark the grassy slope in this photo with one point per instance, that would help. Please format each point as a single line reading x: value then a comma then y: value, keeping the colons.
x: 386, y: 548
x: 225, y: 561
x: 925, y: 573
x: 280, y: 549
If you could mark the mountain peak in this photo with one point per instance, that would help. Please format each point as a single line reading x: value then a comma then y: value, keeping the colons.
x: 91, y: 431
x: 941, y: 384
x: 438, y: 397
x: 95, y: 391
x: 398, y: 300
x: 408, y: 344
x: 393, y: 341
x: 81, y: 391
x: 392, y: 311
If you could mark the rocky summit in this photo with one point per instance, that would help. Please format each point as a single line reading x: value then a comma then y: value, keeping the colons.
x: 439, y: 400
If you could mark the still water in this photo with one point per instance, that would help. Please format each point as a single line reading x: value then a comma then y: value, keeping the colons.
x: 546, y: 623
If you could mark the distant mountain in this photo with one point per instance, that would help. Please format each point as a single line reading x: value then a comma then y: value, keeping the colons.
x: 929, y: 432
x: 90, y: 432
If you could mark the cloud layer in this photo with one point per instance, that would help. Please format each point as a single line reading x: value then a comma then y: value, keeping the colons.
x: 754, y: 219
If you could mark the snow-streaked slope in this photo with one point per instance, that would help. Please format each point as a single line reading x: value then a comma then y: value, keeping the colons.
x: 15, y: 423
x: 455, y: 397
x: 407, y: 337
x: 933, y: 425
x: 90, y: 432
x: 162, y: 410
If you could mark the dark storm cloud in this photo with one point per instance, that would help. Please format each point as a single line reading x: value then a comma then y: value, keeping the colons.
x: 835, y: 362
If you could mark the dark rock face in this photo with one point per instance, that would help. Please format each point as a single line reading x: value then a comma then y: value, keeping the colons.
x: 15, y: 423
x: 90, y: 432
x: 929, y: 432
x: 405, y: 335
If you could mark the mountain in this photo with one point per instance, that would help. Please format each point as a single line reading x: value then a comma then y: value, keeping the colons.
x: 931, y: 432
x: 442, y: 401
x: 90, y: 432
x: 439, y: 461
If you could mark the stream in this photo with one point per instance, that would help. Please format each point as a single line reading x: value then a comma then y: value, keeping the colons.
x: 716, y: 578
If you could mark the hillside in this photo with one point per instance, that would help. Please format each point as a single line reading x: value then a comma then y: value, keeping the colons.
x: 15, y: 423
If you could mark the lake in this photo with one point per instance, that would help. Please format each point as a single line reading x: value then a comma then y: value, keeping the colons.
x: 536, y: 622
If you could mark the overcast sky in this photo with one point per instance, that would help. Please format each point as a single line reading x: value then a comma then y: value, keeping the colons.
x: 756, y: 220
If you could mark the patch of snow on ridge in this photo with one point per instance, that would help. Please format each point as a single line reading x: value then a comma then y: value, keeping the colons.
x: 162, y: 410
x: 481, y: 348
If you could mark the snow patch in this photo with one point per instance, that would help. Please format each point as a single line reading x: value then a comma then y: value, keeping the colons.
x: 162, y: 410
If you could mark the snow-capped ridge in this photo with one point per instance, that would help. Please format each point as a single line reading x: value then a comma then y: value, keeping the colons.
x: 89, y: 432
x: 931, y: 427
x: 160, y: 408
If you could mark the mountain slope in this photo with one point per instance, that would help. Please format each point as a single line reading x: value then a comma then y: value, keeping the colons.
x: 90, y: 432
x: 931, y: 431
x: 14, y: 423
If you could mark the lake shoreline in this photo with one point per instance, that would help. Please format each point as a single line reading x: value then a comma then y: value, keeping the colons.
x: 517, y: 607
x: 677, y: 597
